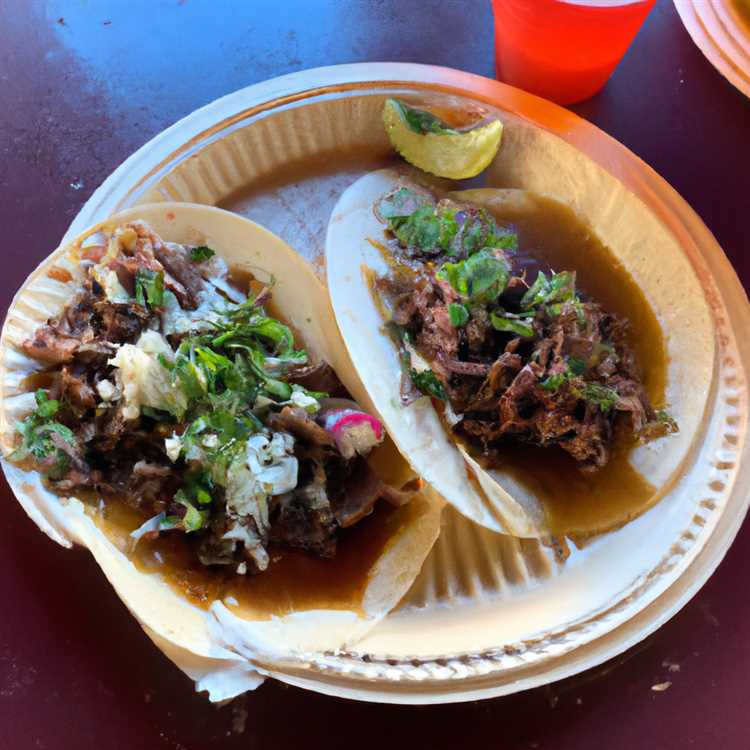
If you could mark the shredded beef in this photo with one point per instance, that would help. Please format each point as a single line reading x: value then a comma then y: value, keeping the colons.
x: 505, y: 387
x: 362, y: 488
x: 317, y: 377
x: 75, y: 388
x: 477, y: 330
x: 470, y: 369
x: 51, y: 345
x: 176, y: 260
x: 303, y: 519
x: 297, y: 422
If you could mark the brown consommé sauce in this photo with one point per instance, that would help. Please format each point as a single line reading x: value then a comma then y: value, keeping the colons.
x: 294, y: 581
x: 578, y: 504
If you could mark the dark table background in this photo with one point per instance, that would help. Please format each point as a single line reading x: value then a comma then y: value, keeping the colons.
x: 82, y: 85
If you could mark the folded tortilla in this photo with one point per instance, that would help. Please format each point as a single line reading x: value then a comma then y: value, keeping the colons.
x: 648, y: 252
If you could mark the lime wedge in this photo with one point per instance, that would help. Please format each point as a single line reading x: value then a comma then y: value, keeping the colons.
x: 428, y: 143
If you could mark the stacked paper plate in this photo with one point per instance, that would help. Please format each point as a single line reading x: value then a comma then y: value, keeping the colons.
x: 721, y: 28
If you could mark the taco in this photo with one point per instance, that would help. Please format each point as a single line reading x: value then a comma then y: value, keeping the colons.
x: 174, y: 396
x: 529, y: 370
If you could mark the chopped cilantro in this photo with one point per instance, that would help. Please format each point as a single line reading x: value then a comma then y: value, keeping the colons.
x: 481, y: 278
x: 149, y: 287
x: 46, y: 408
x: 553, y: 382
x: 600, y: 395
x: 427, y: 230
x: 458, y: 314
x: 428, y: 383
x: 421, y: 226
x: 193, y: 520
x: 479, y: 231
x: 201, y: 253
x: 36, y: 436
x: 197, y: 487
x: 511, y: 325
x: 559, y: 287
x: 574, y: 368
x: 400, y: 204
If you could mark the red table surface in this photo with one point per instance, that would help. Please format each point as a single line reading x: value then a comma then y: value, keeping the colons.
x: 83, y: 84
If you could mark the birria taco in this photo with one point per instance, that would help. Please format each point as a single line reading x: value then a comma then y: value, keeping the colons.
x: 175, y: 397
x: 537, y: 372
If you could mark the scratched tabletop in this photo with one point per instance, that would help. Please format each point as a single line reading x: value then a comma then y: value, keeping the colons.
x: 82, y: 85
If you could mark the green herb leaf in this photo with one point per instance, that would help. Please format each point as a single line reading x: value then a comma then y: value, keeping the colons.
x: 558, y: 288
x: 193, y: 520
x: 574, y: 369
x: 553, y: 382
x: 36, y: 440
x: 427, y: 382
x: 197, y: 487
x: 149, y: 287
x: 479, y: 231
x: 164, y: 362
x: 46, y: 407
x: 537, y: 292
x: 201, y: 253
x: 421, y: 121
x: 272, y: 331
x: 424, y: 230
x: 481, y: 278
x: 272, y: 386
x: 600, y: 395
x: 458, y: 314
x: 401, y: 203
x: 511, y: 325
x: 191, y: 378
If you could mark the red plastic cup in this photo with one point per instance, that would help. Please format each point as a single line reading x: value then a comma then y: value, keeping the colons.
x: 564, y: 50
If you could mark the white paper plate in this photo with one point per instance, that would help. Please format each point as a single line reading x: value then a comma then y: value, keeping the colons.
x: 722, y: 32
x: 489, y: 615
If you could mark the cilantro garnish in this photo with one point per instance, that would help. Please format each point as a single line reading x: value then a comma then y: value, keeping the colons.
x: 599, y: 395
x: 193, y: 520
x: 149, y: 287
x: 480, y: 279
x: 400, y: 204
x: 559, y: 287
x: 420, y: 225
x: 201, y: 253
x: 458, y: 314
x: 427, y: 382
x: 36, y: 436
x: 426, y: 230
x: 511, y: 325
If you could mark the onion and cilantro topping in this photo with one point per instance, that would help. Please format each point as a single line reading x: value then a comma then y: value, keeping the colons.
x: 177, y: 393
